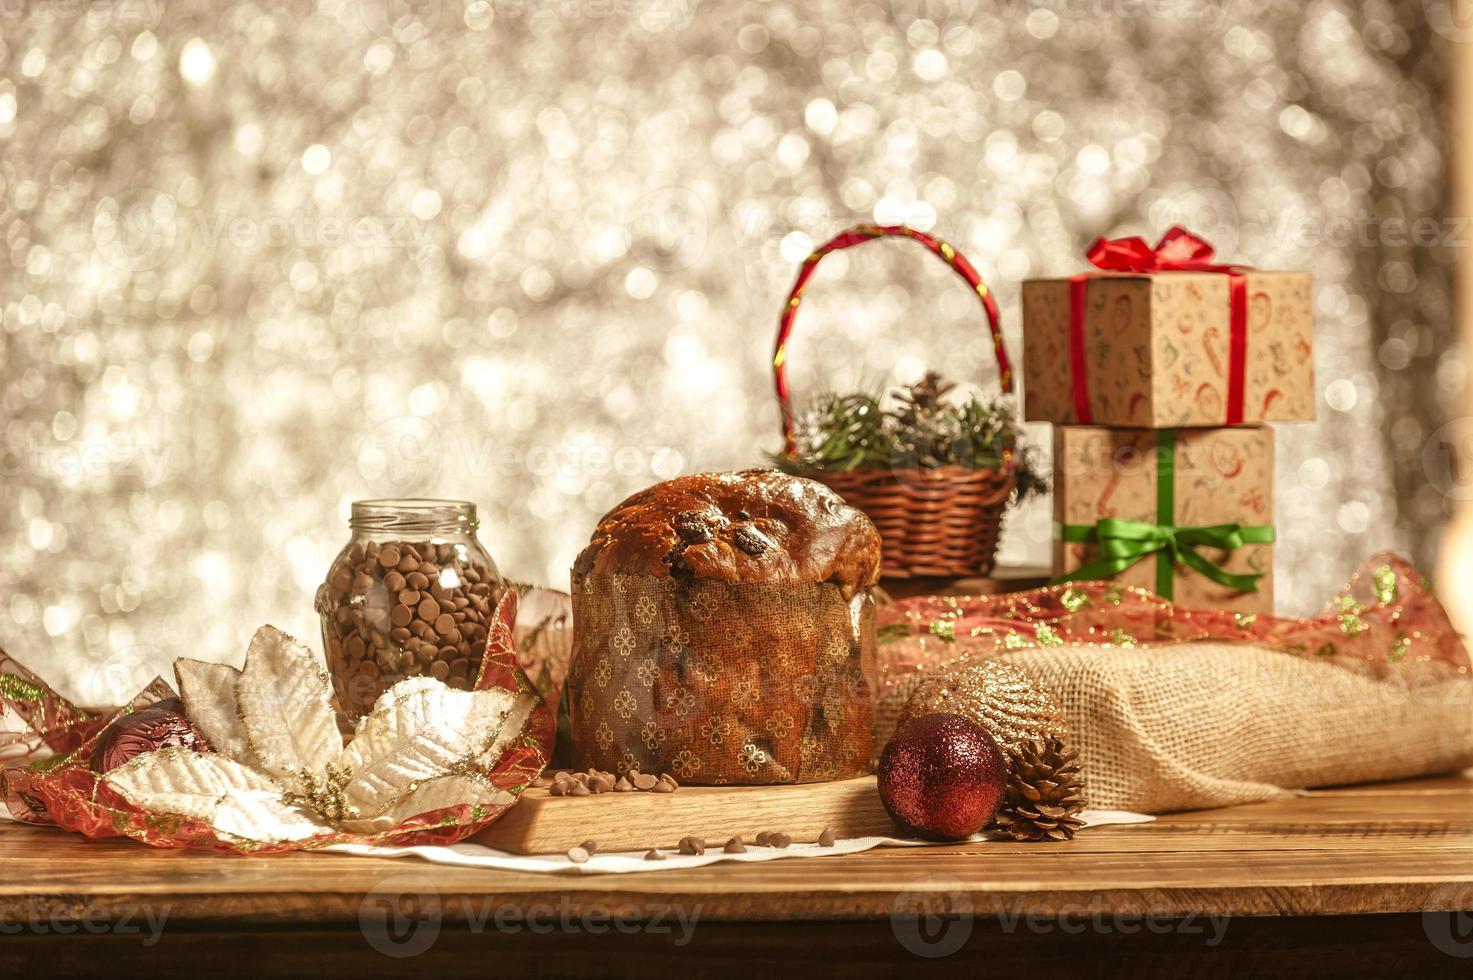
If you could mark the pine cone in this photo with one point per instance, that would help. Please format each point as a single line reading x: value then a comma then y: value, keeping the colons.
x: 1045, y: 793
x: 923, y: 398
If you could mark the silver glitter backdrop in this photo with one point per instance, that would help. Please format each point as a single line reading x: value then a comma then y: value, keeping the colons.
x: 267, y: 258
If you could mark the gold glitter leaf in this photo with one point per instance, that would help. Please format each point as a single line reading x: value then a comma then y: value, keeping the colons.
x: 208, y: 691
x: 434, y: 794
x: 187, y: 783
x: 285, y: 702
x: 421, y: 730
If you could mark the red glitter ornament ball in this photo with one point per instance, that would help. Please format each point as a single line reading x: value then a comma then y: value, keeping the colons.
x: 160, y: 725
x: 942, y: 777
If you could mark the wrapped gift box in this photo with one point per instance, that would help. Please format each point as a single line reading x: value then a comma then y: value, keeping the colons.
x: 1157, y: 350
x: 1187, y: 514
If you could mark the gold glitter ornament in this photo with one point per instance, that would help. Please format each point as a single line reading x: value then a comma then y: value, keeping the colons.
x: 1000, y: 697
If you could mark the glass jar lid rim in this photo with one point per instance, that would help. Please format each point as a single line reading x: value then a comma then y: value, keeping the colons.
x: 413, y: 512
x: 413, y: 503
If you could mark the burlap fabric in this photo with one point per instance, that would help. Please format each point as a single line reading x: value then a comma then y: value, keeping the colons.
x: 720, y: 682
x: 1214, y: 724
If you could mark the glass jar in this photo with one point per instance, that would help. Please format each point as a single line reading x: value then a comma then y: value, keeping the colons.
x: 412, y: 593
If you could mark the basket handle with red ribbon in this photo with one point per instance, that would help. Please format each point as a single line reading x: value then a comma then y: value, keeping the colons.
x: 932, y: 522
x: 848, y: 239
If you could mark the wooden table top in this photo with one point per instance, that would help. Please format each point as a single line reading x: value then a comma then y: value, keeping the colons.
x: 1387, y: 848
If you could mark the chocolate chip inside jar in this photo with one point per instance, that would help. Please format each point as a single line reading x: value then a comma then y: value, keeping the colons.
x: 405, y: 608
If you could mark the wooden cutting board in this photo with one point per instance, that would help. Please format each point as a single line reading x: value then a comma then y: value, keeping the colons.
x: 544, y: 824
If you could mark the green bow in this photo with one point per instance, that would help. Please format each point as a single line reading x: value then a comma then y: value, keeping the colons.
x: 1123, y: 543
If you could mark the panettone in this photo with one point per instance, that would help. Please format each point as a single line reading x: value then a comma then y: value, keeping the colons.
x: 721, y: 625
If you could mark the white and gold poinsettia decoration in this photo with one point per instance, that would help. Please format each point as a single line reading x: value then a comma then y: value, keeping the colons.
x: 280, y: 771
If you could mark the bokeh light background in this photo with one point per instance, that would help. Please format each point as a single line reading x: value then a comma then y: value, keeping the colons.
x: 267, y: 258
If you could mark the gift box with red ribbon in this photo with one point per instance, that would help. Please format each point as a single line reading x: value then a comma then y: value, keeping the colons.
x: 1166, y: 337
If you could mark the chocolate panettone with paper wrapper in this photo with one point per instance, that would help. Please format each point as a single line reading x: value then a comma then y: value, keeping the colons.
x: 722, y: 622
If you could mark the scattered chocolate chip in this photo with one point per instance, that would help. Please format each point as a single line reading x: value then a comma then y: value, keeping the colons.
x: 764, y: 839
x: 644, y: 781
x: 665, y: 777
x: 542, y: 782
x: 654, y: 855
x: 578, y: 855
x: 578, y: 789
x: 692, y: 845
x: 779, y: 841
x: 591, y: 846
x: 558, y: 789
x: 826, y: 839
x: 735, y: 846
x: 662, y: 787
x: 623, y: 786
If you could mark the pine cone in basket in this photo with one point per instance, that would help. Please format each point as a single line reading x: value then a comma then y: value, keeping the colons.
x: 1045, y: 793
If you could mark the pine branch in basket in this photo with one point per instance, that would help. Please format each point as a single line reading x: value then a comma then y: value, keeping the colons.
x: 841, y: 433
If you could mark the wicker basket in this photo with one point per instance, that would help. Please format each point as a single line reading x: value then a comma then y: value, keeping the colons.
x: 940, y: 522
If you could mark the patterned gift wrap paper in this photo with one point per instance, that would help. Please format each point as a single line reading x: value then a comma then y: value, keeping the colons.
x: 1157, y: 349
x: 720, y: 682
x: 1222, y: 476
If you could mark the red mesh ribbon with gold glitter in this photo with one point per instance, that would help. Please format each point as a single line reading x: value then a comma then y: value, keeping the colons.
x: 856, y: 236
x: 34, y: 719
x: 1177, y: 709
x: 1385, y: 615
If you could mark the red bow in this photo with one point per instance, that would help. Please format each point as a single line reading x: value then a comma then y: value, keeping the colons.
x: 1178, y: 251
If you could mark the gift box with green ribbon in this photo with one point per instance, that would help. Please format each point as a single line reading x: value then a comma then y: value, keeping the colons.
x: 1187, y: 514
